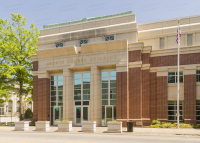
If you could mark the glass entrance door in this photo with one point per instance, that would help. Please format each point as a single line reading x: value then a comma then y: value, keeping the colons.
x: 108, y: 114
x: 81, y: 114
x: 78, y: 115
x: 56, y: 115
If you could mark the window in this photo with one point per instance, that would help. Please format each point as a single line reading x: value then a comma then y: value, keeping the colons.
x: 109, y: 38
x: 81, y: 87
x: 172, y: 110
x: 108, y: 96
x: 59, y: 45
x: 82, y: 42
x: 162, y: 43
x: 198, y: 75
x: 189, y: 40
x: 30, y: 105
x: 198, y: 110
x: 56, y: 95
x: 1, y: 109
x: 172, y: 77
x: 18, y: 105
x: 10, y: 106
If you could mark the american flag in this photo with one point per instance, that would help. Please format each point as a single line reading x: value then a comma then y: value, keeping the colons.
x: 178, y: 34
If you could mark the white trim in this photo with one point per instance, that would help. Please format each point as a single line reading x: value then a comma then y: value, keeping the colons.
x: 89, y: 29
x: 193, y: 24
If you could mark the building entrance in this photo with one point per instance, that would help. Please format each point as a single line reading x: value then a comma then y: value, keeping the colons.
x: 56, y: 115
x: 81, y: 114
x: 108, y: 114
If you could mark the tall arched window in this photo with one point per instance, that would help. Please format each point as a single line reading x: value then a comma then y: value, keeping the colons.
x: 17, y: 106
x: 1, y: 109
x: 30, y: 105
x: 10, y: 106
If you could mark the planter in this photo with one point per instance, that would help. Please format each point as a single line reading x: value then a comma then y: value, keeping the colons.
x: 21, y: 126
x: 114, y: 127
x: 42, y: 126
x: 65, y: 126
x: 89, y: 126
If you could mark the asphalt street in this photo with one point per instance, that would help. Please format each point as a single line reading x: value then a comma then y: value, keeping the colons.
x: 58, y: 137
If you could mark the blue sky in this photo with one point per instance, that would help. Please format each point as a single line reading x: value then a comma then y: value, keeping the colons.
x: 43, y: 12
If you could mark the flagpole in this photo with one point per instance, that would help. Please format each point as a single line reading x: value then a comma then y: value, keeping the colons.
x: 178, y: 80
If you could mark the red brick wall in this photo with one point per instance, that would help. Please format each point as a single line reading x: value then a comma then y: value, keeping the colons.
x: 35, y: 65
x: 135, y: 93
x: 145, y: 58
x: 121, y: 96
x: 153, y: 95
x: 145, y: 94
x: 44, y: 99
x: 35, y: 97
x: 135, y: 56
x: 162, y: 100
x: 171, y: 60
x: 189, y: 98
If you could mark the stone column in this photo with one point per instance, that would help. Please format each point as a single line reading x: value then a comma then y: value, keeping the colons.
x: 162, y: 100
x: 68, y: 95
x: 189, y: 95
x: 95, y: 95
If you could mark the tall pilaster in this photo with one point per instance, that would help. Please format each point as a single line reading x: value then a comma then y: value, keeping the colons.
x: 95, y: 95
x: 189, y: 94
x: 162, y: 100
x: 68, y: 94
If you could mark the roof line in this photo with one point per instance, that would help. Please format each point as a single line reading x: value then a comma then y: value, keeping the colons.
x: 168, y: 19
x: 86, y: 20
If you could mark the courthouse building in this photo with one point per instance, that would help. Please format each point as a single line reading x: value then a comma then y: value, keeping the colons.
x: 80, y: 70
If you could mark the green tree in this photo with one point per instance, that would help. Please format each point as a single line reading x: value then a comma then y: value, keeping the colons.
x: 28, y: 114
x: 17, y: 43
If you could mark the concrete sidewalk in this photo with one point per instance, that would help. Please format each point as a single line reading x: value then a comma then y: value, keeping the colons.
x: 102, y: 130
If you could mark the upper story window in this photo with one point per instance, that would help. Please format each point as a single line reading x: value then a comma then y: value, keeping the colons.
x: 81, y: 87
x: 82, y: 42
x: 162, y: 43
x: 10, y: 106
x: 18, y: 106
x: 109, y: 38
x: 1, y: 109
x: 172, y: 77
x: 198, y: 75
x: 189, y: 40
x: 59, y: 45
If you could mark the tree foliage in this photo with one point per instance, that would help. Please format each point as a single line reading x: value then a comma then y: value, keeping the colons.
x: 16, y: 45
x: 28, y: 114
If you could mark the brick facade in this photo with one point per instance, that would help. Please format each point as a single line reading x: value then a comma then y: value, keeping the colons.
x: 145, y: 96
x: 41, y: 99
x: 162, y: 102
x: 148, y: 93
x: 153, y: 96
x: 35, y: 97
x: 121, y: 96
x: 189, y: 99
x: 135, y: 56
x: 145, y: 58
x: 185, y: 59
x: 35, y: 65
x: 135, y: 93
